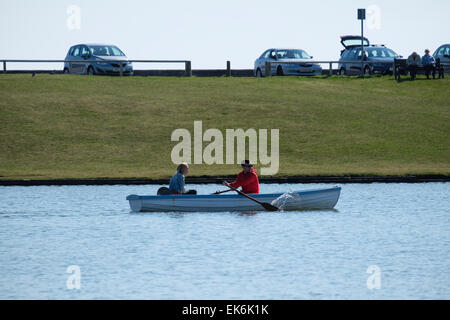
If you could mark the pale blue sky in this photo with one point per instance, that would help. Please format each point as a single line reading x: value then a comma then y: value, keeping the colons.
x: 211, y: 32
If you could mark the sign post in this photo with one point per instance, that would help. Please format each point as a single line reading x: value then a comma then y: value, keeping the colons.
x: 362, y: 17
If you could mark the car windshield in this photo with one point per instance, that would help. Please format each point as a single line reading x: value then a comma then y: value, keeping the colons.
x: 381, y: 53
x: 106, y: 51
x: 292, y: 54
x: 443, y: 51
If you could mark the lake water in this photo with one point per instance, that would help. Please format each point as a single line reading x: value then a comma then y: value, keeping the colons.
x: 399, y: 233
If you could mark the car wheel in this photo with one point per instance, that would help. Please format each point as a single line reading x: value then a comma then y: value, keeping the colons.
x: 90, y: 71
x: 280, y: 71
x: 342, y: 72
x: 259, y: 73
x: 66, y: 71
x: 367, y: 71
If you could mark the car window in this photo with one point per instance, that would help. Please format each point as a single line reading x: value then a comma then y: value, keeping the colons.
x: 388, y: 53
x: 360, y: 53
x: 292, y: 54
x: 349, y: 55
x: 354, y: 53
x: 265, y: 55
x: 281, y: 54
x: 76, y: 51
x: 346, y: 55
x: 373, y: 53
x: 70, y: 51
x: 354, y: 41
x: 84, y: 50
x: 105, y: 51
x: 116, y: 51
x: 447, y: 50
x: 297, y: 54
x: 380, y: 53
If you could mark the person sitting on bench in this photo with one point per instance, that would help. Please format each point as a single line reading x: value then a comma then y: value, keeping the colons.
x: 413, y: 63
x: 429, y: 64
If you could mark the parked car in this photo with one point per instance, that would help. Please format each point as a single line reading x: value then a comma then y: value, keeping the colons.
x: 299, y: 63
x: 443, y: 53
x: 352, y: 53
x: 93, y: 54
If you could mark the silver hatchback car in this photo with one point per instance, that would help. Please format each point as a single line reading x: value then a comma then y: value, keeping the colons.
x: 286, y: 62
x: 92, y: 56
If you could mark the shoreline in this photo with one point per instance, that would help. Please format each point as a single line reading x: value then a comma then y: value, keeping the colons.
x: 363, y: 179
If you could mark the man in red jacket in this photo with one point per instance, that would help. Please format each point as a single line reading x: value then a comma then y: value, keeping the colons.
x: 247, y: 179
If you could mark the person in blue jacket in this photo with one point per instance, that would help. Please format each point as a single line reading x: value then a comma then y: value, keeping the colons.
x: 429, y: 64
x: 176, y: 185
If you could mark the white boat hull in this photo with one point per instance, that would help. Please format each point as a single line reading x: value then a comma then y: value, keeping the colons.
x: 299, y: 200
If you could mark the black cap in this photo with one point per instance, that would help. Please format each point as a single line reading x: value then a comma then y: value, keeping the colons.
x: 246, y: 163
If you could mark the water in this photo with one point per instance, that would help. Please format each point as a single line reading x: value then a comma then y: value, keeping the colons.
x: 402, y: 229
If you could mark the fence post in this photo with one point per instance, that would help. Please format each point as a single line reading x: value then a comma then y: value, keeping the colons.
x: 331, y: 69
x: 268, y: 71
x: 188, y: 68
x: 4, y: 66
x: 228, y: 69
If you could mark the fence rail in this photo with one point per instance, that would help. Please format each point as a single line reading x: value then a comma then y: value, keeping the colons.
x: 188, y: 65
x: 268, y: 65
x: 121, y: 63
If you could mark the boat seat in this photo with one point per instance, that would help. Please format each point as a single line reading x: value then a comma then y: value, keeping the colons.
x: 164, y: 191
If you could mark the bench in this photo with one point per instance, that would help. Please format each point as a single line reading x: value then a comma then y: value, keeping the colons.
x: 401, y: 69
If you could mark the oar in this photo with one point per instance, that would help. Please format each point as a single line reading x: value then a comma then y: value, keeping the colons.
x: 220, y: 192
x: 266, y: 205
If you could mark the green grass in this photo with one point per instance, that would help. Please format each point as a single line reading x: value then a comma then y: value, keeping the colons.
x: 67, y: 126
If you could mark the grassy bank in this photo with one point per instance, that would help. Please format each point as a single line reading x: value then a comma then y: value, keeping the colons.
x: 67, y: 126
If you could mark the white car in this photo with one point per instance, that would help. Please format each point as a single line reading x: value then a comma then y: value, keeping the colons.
x: 299, y: 63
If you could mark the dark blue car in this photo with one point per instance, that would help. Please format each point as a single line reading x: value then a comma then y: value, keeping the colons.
x: 92, y: 56
x: 352, y: 60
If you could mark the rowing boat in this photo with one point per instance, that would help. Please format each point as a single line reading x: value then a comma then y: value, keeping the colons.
x: 290, y: 201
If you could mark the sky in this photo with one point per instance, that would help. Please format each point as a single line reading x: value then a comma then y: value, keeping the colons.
x: 209, y: 32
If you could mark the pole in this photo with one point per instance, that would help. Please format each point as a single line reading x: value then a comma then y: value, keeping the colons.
x: 362, y: 48
x: 4, y: 66
x: 228, y: 69
x: 331, y: 69
x: 188, y: 68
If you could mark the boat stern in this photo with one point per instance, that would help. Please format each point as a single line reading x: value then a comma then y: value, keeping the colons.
x: 135, y: 202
